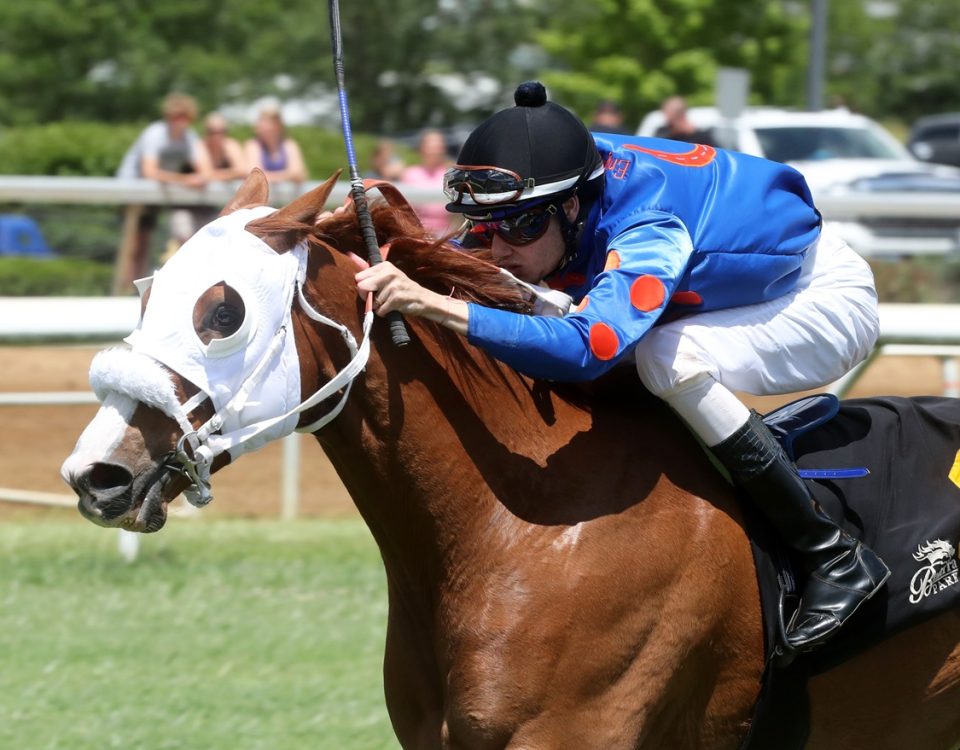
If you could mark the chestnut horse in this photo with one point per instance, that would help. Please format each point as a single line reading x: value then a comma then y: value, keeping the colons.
x: 565, y: 569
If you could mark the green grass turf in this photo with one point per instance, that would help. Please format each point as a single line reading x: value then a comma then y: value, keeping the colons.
x: 223, y: 634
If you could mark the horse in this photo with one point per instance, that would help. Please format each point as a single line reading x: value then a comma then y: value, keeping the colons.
x: 565, y: 566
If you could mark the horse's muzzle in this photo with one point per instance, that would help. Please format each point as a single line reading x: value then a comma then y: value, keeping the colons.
x: 108, y: 496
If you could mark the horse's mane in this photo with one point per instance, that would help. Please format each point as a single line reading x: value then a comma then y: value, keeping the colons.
x: 438, y: 266
x: 435, y: 264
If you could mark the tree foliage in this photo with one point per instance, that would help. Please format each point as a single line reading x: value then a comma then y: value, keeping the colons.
x: 912, y: 59
x: 639, y: 52
x: 91, y: 59
x: 114, y: 61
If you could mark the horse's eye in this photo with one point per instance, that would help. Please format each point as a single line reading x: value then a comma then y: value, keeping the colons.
x: 226, y: 319
x: 218, y: 313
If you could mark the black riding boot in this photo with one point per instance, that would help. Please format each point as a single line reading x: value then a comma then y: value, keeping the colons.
x: 843, y: 573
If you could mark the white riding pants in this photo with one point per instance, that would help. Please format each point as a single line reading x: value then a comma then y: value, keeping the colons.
x: 802, y: 340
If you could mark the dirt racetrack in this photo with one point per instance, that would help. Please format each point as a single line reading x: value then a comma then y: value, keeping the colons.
x: 36, y: 439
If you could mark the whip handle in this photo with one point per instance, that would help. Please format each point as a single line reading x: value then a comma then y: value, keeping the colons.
x: 398, y: 331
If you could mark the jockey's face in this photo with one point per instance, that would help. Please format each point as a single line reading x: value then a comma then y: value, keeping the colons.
x: 536, y: 260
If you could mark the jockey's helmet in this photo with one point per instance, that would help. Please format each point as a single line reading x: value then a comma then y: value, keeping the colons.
x: 534, y: 153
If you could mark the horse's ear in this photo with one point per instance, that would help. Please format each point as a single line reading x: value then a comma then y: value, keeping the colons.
x: 285, y: 228
x: 255, y: 191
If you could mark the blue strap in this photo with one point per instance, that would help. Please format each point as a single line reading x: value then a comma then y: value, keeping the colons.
x: 852, y: 473
x: 798, y: 417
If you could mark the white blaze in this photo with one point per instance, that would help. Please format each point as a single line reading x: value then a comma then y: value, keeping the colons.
x: 102, y: 436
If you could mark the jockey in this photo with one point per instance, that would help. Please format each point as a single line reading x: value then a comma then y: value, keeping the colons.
x: 710, y: 268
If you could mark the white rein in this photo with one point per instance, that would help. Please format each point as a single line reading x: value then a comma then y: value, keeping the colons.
x: 205, y: 445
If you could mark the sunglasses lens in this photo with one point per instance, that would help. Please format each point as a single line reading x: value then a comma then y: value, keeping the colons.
x: 477, y: 234
x: 525, y: 228
x: 517, y: 230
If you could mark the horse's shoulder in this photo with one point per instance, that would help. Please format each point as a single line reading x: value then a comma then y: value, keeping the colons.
x: 619, y: 389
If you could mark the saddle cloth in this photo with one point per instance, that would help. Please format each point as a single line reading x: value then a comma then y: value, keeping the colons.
x: 907, y: 509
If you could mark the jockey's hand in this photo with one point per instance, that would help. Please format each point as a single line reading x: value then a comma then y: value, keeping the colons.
x: 322, y: 217
x: 393, y: 290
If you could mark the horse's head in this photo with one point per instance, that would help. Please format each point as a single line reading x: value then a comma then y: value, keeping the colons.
x: 212, y: 369
x: 231, y: 352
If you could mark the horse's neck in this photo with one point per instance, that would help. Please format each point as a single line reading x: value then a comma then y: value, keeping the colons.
x: 495, y: 499
x: 444, y: 450
x: 432, y: 434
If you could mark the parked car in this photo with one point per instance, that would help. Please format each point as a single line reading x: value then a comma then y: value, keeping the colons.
x: 936, y: 139
x: 843, y: 154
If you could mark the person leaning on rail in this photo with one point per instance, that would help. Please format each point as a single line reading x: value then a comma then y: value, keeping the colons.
x: 226, y: 153
x: 170, y: 152
x: 710, y: 267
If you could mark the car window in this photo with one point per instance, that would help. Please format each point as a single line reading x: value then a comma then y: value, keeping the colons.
x: 815, y: 143
x: 938, y: 133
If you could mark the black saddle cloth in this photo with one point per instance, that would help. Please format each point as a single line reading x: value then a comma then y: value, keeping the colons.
x: 907, y: 509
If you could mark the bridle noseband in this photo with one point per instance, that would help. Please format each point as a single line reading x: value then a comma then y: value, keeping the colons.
x: 197, y: 448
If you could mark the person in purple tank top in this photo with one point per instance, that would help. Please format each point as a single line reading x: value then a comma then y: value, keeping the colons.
x: 273, y: 150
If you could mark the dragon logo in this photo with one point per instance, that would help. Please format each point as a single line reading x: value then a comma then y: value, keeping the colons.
x: 698, y: 156
x: 939, y: 573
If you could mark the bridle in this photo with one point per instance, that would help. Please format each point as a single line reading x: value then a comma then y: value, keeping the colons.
x: 197, y: 448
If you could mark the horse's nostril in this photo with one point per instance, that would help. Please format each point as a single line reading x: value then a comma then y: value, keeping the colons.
x: 108, y: 476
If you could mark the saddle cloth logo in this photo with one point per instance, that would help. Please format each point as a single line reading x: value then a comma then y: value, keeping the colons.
x: 939, y: 573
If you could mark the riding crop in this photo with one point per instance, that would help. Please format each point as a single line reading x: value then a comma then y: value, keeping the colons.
x: 398, y: 331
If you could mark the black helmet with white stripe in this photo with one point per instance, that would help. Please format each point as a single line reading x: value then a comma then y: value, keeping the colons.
x: 536, y: 152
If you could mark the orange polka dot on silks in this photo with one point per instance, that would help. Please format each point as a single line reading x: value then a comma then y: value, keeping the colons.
x: 603, y: 341
x: 647, y: 293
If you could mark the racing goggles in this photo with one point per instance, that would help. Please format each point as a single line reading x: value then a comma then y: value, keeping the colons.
x: 486, y: 186
x: 521, y: 229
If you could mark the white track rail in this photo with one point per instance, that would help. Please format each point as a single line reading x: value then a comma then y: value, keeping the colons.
x: 906, y: 330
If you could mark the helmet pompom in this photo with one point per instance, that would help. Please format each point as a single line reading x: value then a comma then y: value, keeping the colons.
x: 530, y: 94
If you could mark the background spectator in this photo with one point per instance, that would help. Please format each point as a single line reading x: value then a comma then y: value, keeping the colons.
x: 167, y: 151
x: 226, y: 153
x: 429, y: 174
x: 608, y: 118
x: 678, y: 127
x: 385, y: 164
x: 273, y: 151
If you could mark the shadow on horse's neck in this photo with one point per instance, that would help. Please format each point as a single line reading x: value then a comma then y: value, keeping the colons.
x: 443, y: 445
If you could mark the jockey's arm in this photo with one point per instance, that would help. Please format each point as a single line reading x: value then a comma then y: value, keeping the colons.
x: 645, y: 263
x: 623, y: 304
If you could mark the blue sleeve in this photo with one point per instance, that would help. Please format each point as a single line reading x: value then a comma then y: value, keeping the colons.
x: 644, y: 265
